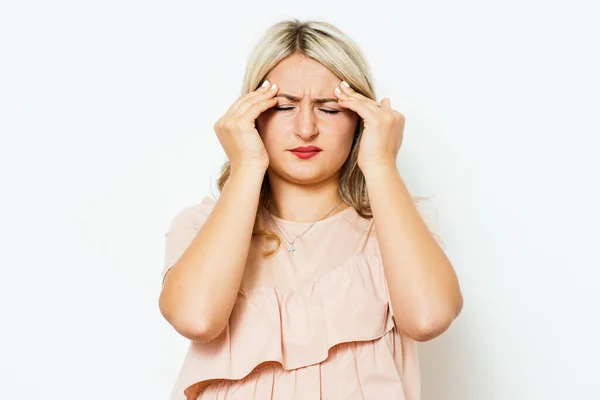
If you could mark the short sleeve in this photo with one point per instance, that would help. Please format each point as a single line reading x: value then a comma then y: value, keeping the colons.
x: 183, y: 229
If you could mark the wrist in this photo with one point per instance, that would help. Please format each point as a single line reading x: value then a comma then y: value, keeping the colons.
x: 248, y: 171
x: 375, y: 168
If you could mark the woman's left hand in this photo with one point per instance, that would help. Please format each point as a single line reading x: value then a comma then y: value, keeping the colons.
x: 383, y: 127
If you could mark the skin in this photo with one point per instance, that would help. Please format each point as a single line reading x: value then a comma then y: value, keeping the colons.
x: 197, y: 298
x: 424, y: 290
x: 305, y: 190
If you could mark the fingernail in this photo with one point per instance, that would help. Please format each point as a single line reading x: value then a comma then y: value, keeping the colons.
x: 265, y: 83
x: 345, y: 84
x: 338, y: 91
x: 273, y: 87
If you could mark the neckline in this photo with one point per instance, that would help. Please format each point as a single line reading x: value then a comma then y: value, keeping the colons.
x: 319, y: 222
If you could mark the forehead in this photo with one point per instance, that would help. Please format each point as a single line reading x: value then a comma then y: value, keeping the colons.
x: 298, y: 73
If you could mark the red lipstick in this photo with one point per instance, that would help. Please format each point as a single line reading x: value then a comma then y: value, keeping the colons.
x: 306, y: 152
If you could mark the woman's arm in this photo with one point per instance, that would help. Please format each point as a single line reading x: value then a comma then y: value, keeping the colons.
x: 200, y: 289
x: 424, y: 291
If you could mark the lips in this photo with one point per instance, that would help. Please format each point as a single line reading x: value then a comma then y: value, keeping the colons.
x: 305, y: 152
x: 307, y: 149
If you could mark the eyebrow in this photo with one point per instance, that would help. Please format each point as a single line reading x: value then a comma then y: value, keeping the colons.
x: 317, y: 101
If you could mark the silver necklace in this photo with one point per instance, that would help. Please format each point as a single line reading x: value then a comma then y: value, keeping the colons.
x: 291, y: 247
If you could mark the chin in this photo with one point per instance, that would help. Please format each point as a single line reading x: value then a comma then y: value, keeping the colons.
x: 302, y: 174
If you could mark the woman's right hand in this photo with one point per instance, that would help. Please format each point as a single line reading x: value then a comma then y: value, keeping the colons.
x: 236, y: 130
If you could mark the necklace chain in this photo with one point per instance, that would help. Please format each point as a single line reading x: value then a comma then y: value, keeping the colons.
x: 291, y: 247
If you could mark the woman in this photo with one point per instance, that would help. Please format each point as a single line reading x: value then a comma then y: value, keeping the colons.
x: 361, y: 279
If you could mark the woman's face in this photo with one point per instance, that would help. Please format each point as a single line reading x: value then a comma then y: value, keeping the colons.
x: 299, y: 120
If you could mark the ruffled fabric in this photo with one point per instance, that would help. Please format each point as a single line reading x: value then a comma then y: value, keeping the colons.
x: 352, y: 371
x: 339, y: 325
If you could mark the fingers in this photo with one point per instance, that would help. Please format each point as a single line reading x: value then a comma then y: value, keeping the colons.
x: 346, y: 94
x: 362, y: 105
x: 262, y: 92
x: 247, y: 108
x: 234, y: 107
x: 362, y: 108
x: 252, y: 112
x: 258, y: 96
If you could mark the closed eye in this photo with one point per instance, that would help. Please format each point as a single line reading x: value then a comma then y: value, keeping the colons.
x: 321, y: 109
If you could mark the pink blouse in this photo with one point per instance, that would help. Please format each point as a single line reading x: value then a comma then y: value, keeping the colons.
x: 315, y: 325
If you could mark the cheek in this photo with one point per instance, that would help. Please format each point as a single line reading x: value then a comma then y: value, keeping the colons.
x: 270, y: 128
x: 346, y: 127
x: 264, y: 123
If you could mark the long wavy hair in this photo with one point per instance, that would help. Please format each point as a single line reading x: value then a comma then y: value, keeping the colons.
x: 332, y: 48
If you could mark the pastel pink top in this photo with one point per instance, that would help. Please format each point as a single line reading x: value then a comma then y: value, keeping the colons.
x: 313, y: 325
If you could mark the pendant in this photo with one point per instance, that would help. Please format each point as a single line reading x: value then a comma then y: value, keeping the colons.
x: 291, y: 249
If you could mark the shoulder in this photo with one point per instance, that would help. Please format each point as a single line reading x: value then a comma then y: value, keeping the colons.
x: 195, y: 214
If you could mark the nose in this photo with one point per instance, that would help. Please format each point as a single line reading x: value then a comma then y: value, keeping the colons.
x: 306, y: 126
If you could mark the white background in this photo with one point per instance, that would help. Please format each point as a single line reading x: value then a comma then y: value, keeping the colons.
x: 106, y: 115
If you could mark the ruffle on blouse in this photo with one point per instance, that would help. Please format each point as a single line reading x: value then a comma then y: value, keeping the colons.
x: 294, y: 328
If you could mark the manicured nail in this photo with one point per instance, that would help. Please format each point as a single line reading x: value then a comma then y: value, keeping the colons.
x: 273, y: 87
x: 265, y: 83
x: 345, y: 84
x: 337, y: 91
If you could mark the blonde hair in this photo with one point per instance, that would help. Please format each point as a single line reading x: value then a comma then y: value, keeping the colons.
x: 329, y: 46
